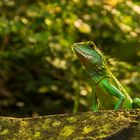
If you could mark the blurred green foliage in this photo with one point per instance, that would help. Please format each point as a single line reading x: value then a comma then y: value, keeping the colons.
x: 40, y: 74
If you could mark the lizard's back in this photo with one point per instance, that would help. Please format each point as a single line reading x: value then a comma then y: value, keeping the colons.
x: 128, y: 101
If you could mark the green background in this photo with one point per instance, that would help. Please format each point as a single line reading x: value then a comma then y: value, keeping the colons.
x: 39, y: 72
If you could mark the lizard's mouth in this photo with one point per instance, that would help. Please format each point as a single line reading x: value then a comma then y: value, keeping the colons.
x: 79, y: 52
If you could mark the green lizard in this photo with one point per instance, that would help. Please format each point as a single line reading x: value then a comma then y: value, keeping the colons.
x: 108, y: 93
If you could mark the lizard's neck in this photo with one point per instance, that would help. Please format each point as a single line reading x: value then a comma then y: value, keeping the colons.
x: 97, y: 78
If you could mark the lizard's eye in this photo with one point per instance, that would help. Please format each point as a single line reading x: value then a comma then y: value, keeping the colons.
x: 90, y: 45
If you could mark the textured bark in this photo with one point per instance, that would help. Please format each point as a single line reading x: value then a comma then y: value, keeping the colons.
x: 102, y: 125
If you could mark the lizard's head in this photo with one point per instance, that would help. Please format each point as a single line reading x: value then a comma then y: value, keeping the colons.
x: 90, y: 56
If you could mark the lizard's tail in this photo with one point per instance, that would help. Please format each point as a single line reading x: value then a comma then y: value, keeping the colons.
x: 136, y: 103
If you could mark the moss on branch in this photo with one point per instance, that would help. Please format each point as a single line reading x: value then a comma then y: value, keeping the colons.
x: 109, y: 125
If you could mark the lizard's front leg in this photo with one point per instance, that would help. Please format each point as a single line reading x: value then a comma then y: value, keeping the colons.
x: 136, y: 103
x: 95, y: 105
x: 114, y: 92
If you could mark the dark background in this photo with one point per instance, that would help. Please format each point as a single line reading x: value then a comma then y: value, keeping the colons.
x: 39, y: 72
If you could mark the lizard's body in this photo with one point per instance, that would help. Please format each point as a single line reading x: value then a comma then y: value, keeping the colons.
x: 108, y: 93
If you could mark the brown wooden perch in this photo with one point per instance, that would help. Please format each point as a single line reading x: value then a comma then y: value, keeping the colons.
x: 102, y: 125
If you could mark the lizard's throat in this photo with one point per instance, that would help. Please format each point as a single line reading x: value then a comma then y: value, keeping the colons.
x: 86, y: 60
x: 89, y: 66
